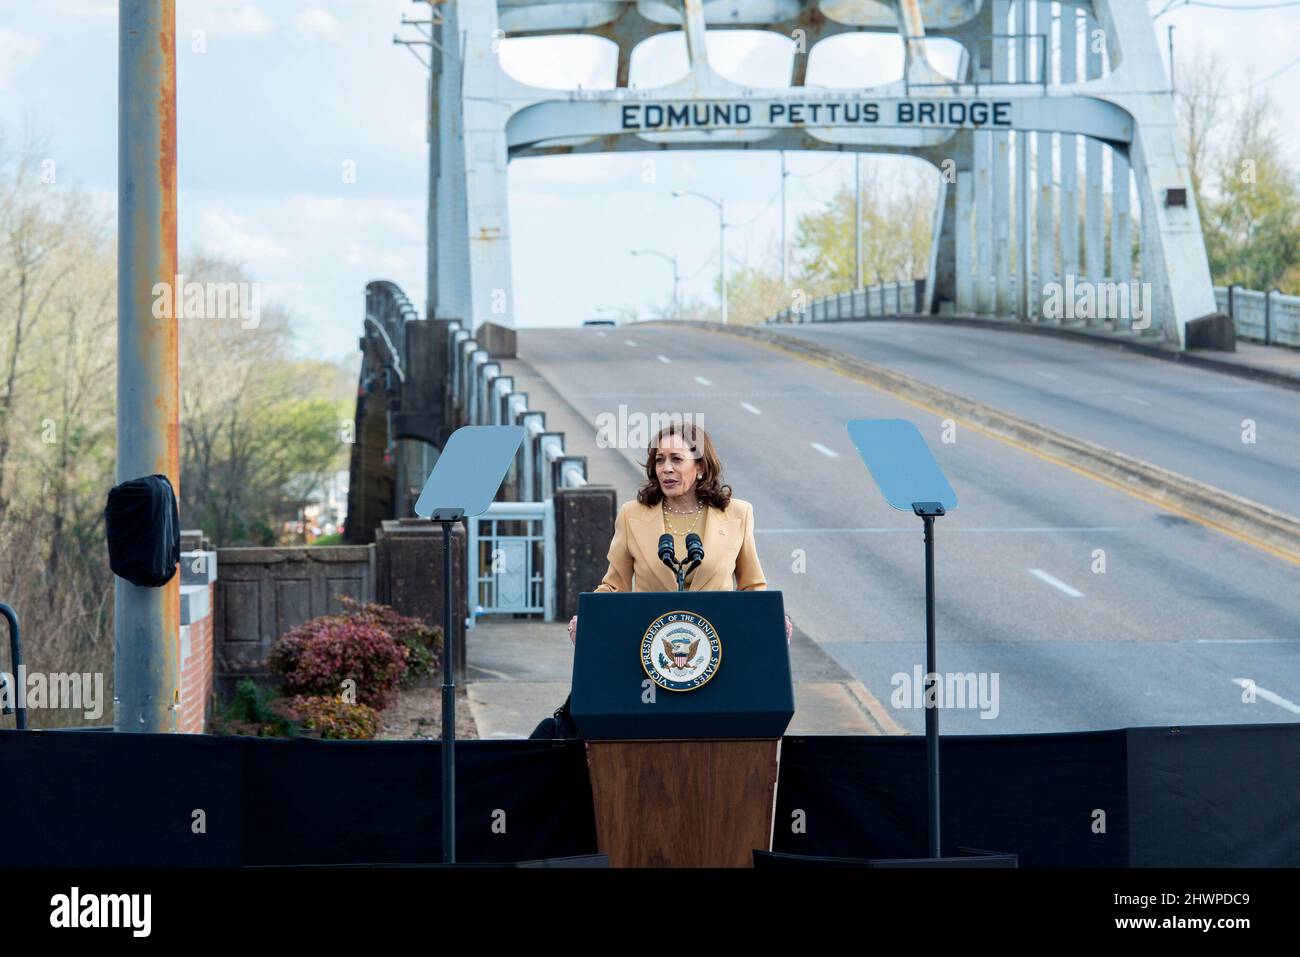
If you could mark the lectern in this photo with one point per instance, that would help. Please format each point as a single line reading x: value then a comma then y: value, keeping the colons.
x: 682, y: 698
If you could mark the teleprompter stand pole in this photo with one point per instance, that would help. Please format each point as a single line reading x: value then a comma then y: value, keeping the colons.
x: 463, y: 482
x: 928, y: 511
x: 447, y: 517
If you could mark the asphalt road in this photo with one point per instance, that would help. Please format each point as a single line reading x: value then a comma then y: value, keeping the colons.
x: 1180, y: 617
x: 1179, y: 417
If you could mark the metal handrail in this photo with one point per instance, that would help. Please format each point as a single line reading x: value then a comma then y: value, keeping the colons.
x: 16, y: 658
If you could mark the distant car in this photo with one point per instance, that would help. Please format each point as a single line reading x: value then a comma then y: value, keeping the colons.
x: 599, y: 322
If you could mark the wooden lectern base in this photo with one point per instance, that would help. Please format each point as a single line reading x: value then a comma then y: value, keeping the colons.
x: 692, y: 803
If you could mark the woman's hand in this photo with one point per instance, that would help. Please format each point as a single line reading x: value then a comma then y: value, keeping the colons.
x: 573, y: 629
x: 789, y: 628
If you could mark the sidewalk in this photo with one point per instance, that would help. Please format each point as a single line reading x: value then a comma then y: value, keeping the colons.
x: 1276, y: 365
x: 519, y: 672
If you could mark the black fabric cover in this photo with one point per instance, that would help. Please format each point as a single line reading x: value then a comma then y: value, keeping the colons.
x: 1034, y: 795
x: 144, y: 531
x: 192, y: 800
x: 1205, y: 796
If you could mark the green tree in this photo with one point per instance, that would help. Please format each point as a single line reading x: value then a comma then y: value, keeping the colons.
x: 897, y: 214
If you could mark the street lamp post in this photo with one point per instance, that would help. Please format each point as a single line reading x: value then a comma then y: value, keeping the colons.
x: 673, y: 261
x: 722, y: 243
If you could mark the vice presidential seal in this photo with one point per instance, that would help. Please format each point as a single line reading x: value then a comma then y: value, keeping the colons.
x: 680, y: 651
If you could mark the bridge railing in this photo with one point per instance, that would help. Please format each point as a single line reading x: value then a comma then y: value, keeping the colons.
x: 1268, y: 317
x: 485, y: 396
x: 887, y: 299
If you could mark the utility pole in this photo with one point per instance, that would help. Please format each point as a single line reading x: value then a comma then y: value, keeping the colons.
x: 722, y: 242
x: 425, y: 30
x: 1022, y: 171
x: 146, y: 621
x: 672, y: 261
x: 857, y: 220
x: 785, y: 276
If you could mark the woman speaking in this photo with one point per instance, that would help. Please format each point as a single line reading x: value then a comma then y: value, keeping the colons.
x: 683, y: 493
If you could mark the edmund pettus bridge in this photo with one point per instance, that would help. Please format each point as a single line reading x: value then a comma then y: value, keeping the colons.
x: 1123, y: 435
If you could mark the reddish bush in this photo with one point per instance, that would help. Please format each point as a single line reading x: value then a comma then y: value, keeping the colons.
x: 423, y: 641
x: 317, y: 657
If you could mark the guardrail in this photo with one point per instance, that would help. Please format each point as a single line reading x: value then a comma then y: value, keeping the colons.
x: 1268, y: 317
x: 485, y: 396
x: 887, y: 299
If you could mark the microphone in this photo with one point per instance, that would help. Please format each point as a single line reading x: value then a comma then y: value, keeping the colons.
x: 694, y: 548
x: 667, y: 552
x: 694, y: 551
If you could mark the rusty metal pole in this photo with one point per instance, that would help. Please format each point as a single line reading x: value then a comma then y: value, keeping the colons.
x: 147, y: 620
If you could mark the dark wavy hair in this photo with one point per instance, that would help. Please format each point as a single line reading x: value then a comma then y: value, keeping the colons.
x: 710, y: 489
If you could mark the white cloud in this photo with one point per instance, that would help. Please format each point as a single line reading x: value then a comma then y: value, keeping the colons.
x: 249, y: 21
x: 316, y: 22
x: 15, y: 48
x: 227, y: 233
x: 224, y: 18
x: 86, y: 8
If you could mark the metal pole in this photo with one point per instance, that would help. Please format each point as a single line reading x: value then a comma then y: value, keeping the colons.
x: 448, y: 706
x: 857, y: 220
x: 147, y: 620
x: 677, y: 309
x: 1173, y: 88
x: 931, y: 709
x: 1022, y: 172
x: 785, y: 276
x: 431, y: 227
x: 722, y: 257
x: 18, y: 708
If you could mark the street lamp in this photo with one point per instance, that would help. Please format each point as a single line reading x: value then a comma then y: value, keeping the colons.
x: 673, y: 261
x: 722, y: 243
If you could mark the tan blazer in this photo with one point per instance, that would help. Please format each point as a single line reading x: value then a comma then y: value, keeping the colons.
x: 730, y: 556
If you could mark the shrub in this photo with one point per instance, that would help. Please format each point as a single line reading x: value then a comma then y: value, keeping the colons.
x: 422, y: 641
x: 253, y: 712
x: 318, y: 656
x: 324, y: 716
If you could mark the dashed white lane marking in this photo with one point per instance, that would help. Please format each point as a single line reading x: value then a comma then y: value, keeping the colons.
x: 702, y: 381
x: 1269, y: 696
x: 664, y: 359
x: 1133, y: 398
x: 631, y: 342
x: 1046, y: 375
x: 751, y: 408
x: 824, y: 450
x: 602, y: 334
x: 1055, y: 582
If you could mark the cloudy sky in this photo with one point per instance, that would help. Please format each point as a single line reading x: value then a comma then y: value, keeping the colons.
x: 286, y: 92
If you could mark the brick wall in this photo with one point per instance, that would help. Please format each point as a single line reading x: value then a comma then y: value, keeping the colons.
x: 198, y: 595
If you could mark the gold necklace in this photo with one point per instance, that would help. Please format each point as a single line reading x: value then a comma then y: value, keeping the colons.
x: 669, y: 525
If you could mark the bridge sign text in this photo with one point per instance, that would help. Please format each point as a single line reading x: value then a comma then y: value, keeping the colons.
x: 729, y: 114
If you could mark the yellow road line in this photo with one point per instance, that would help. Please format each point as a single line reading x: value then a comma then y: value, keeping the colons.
x: 878, y: 712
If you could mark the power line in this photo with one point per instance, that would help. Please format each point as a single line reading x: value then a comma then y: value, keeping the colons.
x: 1268, y: 79
x: 761, y: 213
x: 1275, y: 5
